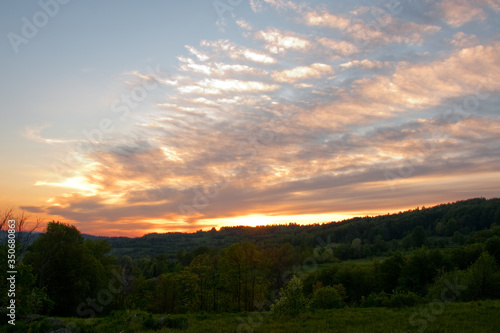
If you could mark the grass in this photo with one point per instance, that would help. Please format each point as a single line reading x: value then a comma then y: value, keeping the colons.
x: 364, y: 262
x: 480, y: 316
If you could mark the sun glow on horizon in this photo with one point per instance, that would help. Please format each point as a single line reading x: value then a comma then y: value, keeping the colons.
x: 254, y: 220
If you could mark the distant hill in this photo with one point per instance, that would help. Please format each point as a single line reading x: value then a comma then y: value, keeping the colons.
x: 444, y: 220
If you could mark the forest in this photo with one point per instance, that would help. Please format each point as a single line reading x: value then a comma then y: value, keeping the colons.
x: 435, y: 255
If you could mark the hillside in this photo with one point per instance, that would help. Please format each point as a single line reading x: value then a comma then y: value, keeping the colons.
x: 443, y: 221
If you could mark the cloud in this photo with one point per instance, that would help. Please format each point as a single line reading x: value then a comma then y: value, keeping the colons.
x: 302, y: 119
x: 237, y: 52
x: 463, y: 40
x: 369, y: 32
x: 313, y: 71
x: 244, y: 25
x: 424, y: 85
x: 32, y: 209
x: 367, y: 64
x: 339, y: 47
x: 256, y: 5
x: 201, y: 56
x: 326, y: 19
x: 34, y: 133
x: 279, y: 42
x: 217, y: 87
x: 283, y: 4
x: 218, y: 68
x: 460, y: 12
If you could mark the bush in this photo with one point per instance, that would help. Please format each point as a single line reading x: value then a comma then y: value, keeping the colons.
x: 482, y: 278
x: 401, y: 299
x: 292, y: 300
x: 375, y: 300
x: 440, y: 288
x: 326, y: 298
x: 169, y: 321
x: 396, y: 300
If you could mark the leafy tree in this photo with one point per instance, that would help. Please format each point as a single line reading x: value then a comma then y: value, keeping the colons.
x: 358, y: 281
x: 451, y: 227
x: 356, y: 248
x: 141, y: 295
x: 493, y: 247
x: 277, y: 262
x: 389, y: 272
x: 166, y: 293
x: 30, y: 299
x: 464, y: 256
x: 458, y: 238
x: 482, y: 278
x: 379, y: 245
x: 291, y: 301
x: 420, y: 269
x: 440, y: 228
x: 418, y: 236
x: 200, y: 268
x: 69, y: 269
x: 240, y: 265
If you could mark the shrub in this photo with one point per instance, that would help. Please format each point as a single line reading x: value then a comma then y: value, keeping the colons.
x: 401, y: 299
x: 292, y: 300
x: 440, y: 288
x: 170, y: 321
x: 375, y: 300
x: 326, y: 298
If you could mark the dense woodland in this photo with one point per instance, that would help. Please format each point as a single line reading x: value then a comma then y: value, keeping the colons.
x: 390, y: 261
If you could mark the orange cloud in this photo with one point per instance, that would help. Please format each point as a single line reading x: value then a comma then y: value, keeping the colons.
x: 327, y: 20
x: 459, y: 12
x: 314, y: 71
x: 279, y: 42
x: 217, y: 87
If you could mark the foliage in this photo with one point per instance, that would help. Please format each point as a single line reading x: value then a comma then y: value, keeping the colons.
x: 67, y: 267
x: 326, y: 298
x: 62, y: 269
x: 397, y: 300
x: 456, y: 317
x: 377, y: 233
x: 492, y: 245
x: 481, y: 280
x: 291, y: 301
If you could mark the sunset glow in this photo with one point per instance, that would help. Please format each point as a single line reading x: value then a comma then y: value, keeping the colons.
x: 184, y: 118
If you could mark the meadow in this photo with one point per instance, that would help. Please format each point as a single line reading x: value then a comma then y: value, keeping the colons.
x: 478, y: 316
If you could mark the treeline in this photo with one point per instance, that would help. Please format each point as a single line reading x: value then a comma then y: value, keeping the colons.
x: 442, y: 224
x: 64, y: 274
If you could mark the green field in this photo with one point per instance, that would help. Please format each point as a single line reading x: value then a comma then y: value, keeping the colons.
x: 478, y: 316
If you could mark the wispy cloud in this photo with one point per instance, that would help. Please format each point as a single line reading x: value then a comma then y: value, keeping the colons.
x: 279, y: 42
x: 314, y: 71
x: 302, y: 118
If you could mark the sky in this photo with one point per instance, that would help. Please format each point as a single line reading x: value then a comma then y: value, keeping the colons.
x: 125, y: 117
